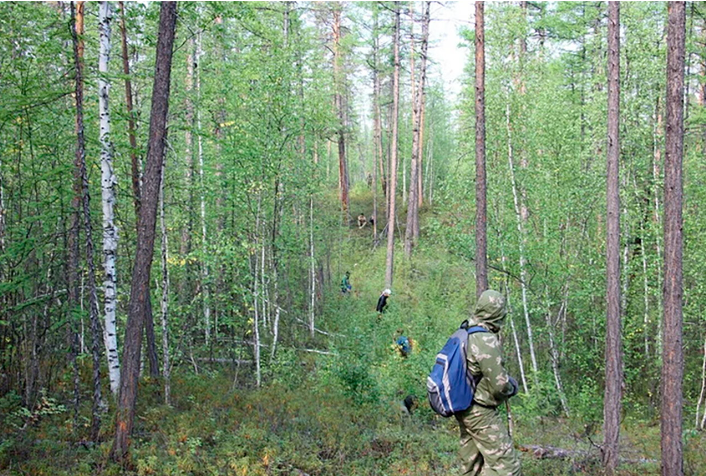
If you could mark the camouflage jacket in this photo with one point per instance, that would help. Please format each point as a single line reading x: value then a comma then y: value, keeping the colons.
x: 485, y: 352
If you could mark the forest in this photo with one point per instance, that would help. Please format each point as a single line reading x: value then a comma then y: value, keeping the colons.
x: 202, y: 202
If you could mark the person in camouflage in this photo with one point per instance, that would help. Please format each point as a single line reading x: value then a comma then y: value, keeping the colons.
x: 486, y: 446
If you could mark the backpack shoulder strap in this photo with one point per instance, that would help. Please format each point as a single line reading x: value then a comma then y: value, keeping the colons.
x: 475, y: 329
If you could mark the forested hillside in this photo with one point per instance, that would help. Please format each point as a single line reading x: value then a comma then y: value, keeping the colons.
x: 184, y: 186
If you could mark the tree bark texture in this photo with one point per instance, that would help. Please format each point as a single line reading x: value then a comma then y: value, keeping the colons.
x: 137, y: 187
x: 673, y: 354
x: 139, y: 290
x: 75, y: 229
x: 613, y: 341
x: 108, y: 183
x: 134, y: 159
x: 426, y: 17
x: 390, y: 257
x: 82, y: 176
x: 166, y: 370
x: 339, y: 84
x: 481, y: 203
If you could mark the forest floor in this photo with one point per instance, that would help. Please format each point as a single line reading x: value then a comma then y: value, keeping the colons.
x: 336, y: 414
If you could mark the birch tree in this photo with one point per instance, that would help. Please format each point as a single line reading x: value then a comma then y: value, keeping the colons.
x: 108, y: 183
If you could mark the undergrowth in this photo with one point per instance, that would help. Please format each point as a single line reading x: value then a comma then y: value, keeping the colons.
x: 335, y: 413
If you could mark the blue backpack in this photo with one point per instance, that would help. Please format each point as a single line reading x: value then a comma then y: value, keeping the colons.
x: 449, y: 386
x: 403, y: 345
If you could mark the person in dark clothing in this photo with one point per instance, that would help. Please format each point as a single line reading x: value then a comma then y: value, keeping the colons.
x: 382, y: 301
x: 410, y: 403
x: 345, y: 283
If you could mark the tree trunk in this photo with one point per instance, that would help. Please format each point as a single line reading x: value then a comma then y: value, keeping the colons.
x: 389, y: 262
x: 426, y: 17
x: 165, y: 295
x: 108, y: 183
x: 136, y: 188
x: 256, y: 293
x: 139, y: 290
x: 521, y: 233
x: 204, y: 252
x: 312, y: 267
x: 377, y: 124
x: 702, y: 393
x: 412, y: 201
x: 339, y: 84
x: 613, y: 341
x: 134, y: 159
x: 481, y: 204
x: 412, y: 231
x: 74, y: 232
x: 673, y: 354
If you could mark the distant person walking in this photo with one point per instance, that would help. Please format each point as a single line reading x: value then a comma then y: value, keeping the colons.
x: 362, y: 221
x: 486, y: 446
x: 345, y: 283
x: 382, y: 301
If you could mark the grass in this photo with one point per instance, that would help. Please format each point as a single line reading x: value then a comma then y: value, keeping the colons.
x: 332, y: 414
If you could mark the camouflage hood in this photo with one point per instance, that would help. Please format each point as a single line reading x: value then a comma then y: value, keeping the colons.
x: 490, y: 310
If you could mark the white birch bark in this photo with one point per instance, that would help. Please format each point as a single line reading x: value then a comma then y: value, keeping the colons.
x: 204, y: 267
x: 108, y: 182
x: 516, y: 341
x: 312, y: 268
x: 165, y: 296
x: 702, y: 394
x: 554, y: 351
x: 521, y: 232
x: 646, y: 292
x: 256, y: 296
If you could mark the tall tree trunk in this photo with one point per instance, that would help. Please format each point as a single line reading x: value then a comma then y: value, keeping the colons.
x: 185, y: 246
x: 312, y: 269
x: 108, y: 183
x: 412, y: 200
x: 205, y: 286
x: 165, y: 295
x: 521, y: 233
x: 82, y: 176
x: 74, y: 232
x: 481, y: 203
x: 377, y: 124
x: 339, y: 84
x: 412, y: 231
x: 134, y: 159
x: 426, y: 17
x: 613, y: 341
x: 136, y: 187
x: 673, y: 353
x: 389, y: 262
x: 139, y: 290
x: 256, y: 293
x: 96, y: 336
x: 516, y: 341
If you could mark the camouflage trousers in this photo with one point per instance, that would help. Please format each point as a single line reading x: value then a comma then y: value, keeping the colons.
x: 486, y: 448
